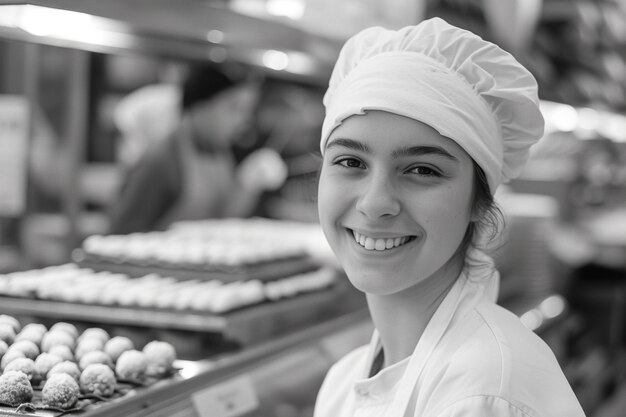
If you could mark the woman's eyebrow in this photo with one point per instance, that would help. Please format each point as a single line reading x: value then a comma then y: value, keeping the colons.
x: 350, y: 144
x: 422, y: 150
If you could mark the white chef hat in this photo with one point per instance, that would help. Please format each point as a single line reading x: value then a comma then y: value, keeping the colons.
x: 466, y: 88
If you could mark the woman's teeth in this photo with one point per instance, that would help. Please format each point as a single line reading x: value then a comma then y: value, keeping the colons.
x: 370, y: 243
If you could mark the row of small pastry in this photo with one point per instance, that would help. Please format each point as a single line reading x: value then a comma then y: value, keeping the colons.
x: 71, y: 283
x: 175, y: 249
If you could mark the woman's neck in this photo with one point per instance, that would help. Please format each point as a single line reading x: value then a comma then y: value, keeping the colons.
x: 401, y: 318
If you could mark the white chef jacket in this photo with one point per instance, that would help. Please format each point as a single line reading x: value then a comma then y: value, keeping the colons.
x: 474, y: 359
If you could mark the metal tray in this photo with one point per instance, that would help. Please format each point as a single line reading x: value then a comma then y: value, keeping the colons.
x: 263, y: 271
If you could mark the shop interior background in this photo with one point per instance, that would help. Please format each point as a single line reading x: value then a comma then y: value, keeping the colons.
x: 66, y: 142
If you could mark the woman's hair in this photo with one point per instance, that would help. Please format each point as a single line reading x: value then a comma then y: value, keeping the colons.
x: 490, y: 218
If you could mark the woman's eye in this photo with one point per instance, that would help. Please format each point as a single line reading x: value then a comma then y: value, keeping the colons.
x: 350, y: 163
x: 425, y: 171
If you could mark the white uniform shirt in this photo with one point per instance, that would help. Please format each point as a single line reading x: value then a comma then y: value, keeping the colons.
x: 475, y: 359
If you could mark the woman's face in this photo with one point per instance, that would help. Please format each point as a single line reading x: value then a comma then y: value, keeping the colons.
x: 394, y: 200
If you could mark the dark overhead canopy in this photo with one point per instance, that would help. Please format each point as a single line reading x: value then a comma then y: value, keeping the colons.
x: 185, y: 29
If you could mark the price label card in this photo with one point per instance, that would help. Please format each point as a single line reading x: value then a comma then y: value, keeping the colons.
x: 228, y: 399
x: 14, y: 125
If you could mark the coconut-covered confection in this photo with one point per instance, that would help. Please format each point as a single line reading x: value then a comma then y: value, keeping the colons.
x: 25, y: 365
x: 95, y: 356
x: 44, y: 363
x: 97, y: 379
x: 65, y: 367
x: 56, y: 337
x: 7, y: 333
x: 95, y: 333
x: 10, y: 356
x: 60, y: 390
x: 160, y: 356
x: 88, y: 345
x: 35, y: 327
x: 65, y: 327
x: 118, y: 345
x: 28, y: 347
x: 29, y: 335
x: 3, y: 348
x: 63, y: 351
x: 132, y: 366
x: 12, y: 321
x: 15, y: 388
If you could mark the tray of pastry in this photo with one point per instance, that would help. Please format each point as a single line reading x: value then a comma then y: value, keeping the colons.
x: 242, y: 310
x: 61, y: 369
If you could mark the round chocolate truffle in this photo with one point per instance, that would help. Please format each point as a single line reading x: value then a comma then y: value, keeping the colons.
x: 15, y: 388
x: 10, y: 356
x: 95, y: 333
x: 60, y: 390
x: 69, y: 328
x: 62, y: 351
x: 97, y: 379
x: 65, y: 367
x: 12, y: 321
x: 29, y: 335
x: 35, y: 327
x: 24, y: 365
x: 44, y: 363
x: 118, y: 345
x: 7, y: 333
x: 27, y: 347
x: 87, y: 345
x: 132, y: 366
x: 53, y: 338
x: 96, y: 356
x: 161, y: 357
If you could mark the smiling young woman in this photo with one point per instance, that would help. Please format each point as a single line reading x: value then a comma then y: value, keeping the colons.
x: 396, y: 182
x: 421, y: 127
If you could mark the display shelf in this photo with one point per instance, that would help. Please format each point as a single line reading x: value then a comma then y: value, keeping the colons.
x: 245, y: 325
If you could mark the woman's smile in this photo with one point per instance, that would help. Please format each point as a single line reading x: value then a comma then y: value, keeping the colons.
x: 379, y: 244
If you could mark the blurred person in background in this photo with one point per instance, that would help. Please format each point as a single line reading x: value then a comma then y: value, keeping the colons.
x: 144, y: 118
x: 192, y: 174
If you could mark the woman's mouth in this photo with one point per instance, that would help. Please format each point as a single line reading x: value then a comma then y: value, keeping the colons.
x: 380, y: 244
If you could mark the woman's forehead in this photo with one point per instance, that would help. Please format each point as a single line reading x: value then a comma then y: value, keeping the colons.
x: 389, y: 132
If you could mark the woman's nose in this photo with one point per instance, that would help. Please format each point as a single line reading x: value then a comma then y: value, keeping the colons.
x: 378, y: 198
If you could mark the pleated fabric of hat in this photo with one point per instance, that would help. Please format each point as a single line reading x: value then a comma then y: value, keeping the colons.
x: 468, y: 89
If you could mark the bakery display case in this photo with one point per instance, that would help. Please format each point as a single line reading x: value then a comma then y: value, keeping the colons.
x: 250, y: 331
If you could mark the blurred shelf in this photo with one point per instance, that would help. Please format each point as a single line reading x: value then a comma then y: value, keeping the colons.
x: 245, y: 325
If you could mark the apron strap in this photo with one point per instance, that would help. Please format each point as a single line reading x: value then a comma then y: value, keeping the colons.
x: 480, y: 277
